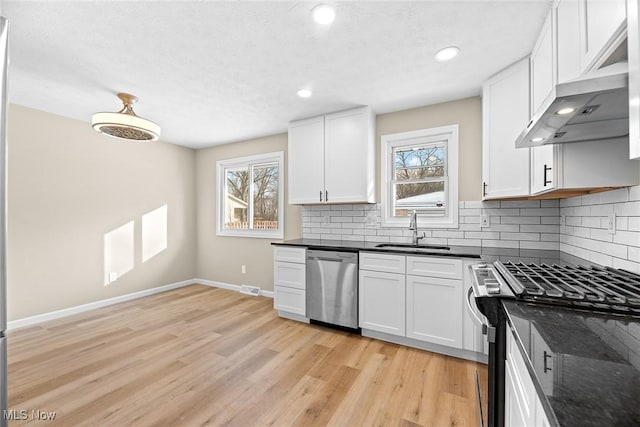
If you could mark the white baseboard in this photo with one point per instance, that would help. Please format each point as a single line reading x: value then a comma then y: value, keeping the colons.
x: 268, y: 294
x: 39, y: 318
x: 28, y: 321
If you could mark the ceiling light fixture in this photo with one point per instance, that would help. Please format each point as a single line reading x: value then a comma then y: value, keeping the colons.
x: 305, y: 93
x: 447, y: 53
x: 566, y: 110
x: 125, y: 124
x: 324, y: 14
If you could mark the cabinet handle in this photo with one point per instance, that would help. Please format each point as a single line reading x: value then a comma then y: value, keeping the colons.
x: 546, y: 181
x: 546, y: 357
x: 326, y: 196
x: 484, y: 189
x: 320, y: 195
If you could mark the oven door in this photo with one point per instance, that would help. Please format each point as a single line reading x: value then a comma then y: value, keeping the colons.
x: 481, y: 345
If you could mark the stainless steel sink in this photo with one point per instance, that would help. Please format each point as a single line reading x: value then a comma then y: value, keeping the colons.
x: 409, y: 246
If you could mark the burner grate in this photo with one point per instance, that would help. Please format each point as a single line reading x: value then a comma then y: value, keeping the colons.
x: 602, y: 287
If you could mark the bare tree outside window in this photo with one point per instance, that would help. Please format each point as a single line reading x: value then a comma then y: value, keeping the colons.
x: 264, y: 210
x: 419, y: 179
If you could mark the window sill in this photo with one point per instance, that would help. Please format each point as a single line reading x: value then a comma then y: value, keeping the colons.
x: 254, y: 234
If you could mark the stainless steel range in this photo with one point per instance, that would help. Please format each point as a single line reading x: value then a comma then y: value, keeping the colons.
x: 577, y: 284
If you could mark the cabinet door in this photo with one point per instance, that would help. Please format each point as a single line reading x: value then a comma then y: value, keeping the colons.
x: 434, y: 310
x: 543, y: 168
x: 382, y: 302
x: 505, y: 113
x: 514, y: 414
x: 349, y: 151
x: 306, y: 161
x: 542, y: 78
x: 633, y: 44
x: 568, y: 40
x: 290, y: 300
x: 602, y: 22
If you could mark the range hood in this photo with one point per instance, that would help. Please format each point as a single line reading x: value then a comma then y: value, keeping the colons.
x: 590, y: 107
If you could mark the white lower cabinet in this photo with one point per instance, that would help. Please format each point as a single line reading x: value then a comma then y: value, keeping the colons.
x: 419, y: 299
x: 289, y: 280
x: 434, y: 310
x: 522, y: 406
x: 382, y: 302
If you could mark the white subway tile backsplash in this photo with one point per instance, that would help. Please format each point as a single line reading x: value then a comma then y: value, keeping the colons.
x: 539, y: 228
x: 553, y: 246
x: 519, y: 236
x: 500, y: 244
x: 629, y: 238
x: 627, y: 209
x: 540, y: 212
x: 520, y: 220
x: 512, y: 224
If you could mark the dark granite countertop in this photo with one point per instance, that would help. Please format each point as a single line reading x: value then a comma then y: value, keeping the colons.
x: 486, y: 254
x: 594, y: 378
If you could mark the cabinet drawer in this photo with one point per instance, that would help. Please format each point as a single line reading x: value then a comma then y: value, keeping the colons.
x: 382, y: 262
x: 290, y: 254
x: 524, y: 387
x: 446, y: 268
x: 289, y: 299
x: 290, y: 274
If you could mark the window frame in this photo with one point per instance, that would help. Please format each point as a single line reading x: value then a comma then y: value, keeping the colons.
x: 221, y: 190
x: 389, y: 143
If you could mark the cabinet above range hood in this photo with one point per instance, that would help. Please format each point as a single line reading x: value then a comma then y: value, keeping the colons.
x: 588, y: 108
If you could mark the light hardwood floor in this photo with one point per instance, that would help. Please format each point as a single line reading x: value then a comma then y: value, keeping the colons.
x: 205, y: 356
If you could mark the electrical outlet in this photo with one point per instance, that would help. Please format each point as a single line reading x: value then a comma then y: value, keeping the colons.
x: 113, y: 276
x: 326, y: 219
x: 243, y: 269
x: 484, y: 220
x: 563, y: 220
x: 611, y: 223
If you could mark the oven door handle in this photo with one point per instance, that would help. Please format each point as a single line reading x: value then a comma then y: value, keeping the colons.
x: 473, y: 312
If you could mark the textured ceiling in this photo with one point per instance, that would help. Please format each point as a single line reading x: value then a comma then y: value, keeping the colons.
x: 217, y: 72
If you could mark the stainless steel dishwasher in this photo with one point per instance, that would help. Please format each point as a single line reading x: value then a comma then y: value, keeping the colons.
x: 332, y: 287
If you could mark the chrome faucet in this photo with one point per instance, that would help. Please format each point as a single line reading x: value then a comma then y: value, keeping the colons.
x: 413, y: 225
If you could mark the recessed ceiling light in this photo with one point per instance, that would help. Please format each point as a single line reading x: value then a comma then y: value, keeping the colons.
x: 537, y: 139
x: 567, y: 110
x: 324, y: 14
x: 305, y: 93
x: 447, y: 53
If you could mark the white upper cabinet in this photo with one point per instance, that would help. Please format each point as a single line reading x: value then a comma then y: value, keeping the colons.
x: 568, y: 40
x: 602, y: 28
x: 633, y: 45
x: 331, y: 158
x: 505, y: 113
x: 306, y: 161
x: 349, y: 156
x: 543, y: 168
x: 542, y: 66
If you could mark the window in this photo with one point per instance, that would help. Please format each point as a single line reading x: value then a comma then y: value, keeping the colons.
x: 250, y: 196
x: 420, y: 172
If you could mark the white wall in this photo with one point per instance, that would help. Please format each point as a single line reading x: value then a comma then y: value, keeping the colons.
x: 77, y: 201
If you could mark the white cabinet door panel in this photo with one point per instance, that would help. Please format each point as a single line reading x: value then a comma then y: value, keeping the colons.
x: 376, y: 261
x: 290, y: 300
x: 306, y: 161
x: 542, y: 67
x: 447, y: 268
x: 290, y: 274
x: 505, y: 113
x: 348, y: 156
x: 382, y: 302
x: 434, y: 310
x: 543, y: 168
x: 602, y: 21
x: 568, y: 40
